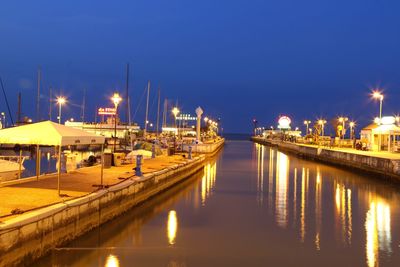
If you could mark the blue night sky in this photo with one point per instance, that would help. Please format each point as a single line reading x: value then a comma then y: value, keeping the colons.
x: 236, y: 59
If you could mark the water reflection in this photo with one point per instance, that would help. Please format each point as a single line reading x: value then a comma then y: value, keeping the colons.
x: 208, y: 181
x: 172, y: 226
x: 319, y: 204
x: 112, y: 261
x: 377, y: 228
x: 282, y: 175
x: 343, y: 213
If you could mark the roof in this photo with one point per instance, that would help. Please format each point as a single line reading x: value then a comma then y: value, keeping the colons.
x: 370, y: 127
x: 48, y: 133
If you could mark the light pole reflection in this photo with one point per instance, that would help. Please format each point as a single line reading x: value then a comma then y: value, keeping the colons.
x: 172, y: 227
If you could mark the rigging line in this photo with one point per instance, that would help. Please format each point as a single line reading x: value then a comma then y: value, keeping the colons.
x: 5, y: 97
x: 140, y: 102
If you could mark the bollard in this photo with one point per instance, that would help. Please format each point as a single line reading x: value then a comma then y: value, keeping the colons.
x: 153, y: 151
x: 138, y: 168
x: 190, y: 152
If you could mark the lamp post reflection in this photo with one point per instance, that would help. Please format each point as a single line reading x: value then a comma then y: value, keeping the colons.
x: 378, y: 232
x: 260, y: 172
x: 112, y: 261
x: 208, y: 181
x: 282, y: 173
x: 172, y: 227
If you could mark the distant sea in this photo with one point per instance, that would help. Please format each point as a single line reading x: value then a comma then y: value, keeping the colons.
x: 236, y: 136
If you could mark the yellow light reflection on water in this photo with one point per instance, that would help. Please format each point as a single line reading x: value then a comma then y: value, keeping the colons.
x: 378, y: 232
x: 260, y: 173
x: 172, y: 226
x: 112, y: 261
x: 303, y: 206
x: 282, y: 172
x: 343, y: 213
x: 318, y: 209
x: 208, y: 181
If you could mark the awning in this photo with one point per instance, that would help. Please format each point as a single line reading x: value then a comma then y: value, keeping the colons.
x: 48, y: 133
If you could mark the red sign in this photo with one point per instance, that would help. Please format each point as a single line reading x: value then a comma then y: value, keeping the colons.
x: 106, y: 111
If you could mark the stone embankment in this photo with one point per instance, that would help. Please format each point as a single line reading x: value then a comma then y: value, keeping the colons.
x: 383, y: 164
x: 28, y: 236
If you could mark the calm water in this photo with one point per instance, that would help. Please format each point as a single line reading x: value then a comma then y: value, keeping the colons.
x: 252, y: 206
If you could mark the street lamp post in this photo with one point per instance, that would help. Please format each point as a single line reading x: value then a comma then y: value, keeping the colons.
x: 306, y: 122
x: 322, y: 124
x: 378, y: 95
x: 60, y: 101
x: 116, y: 99
x: 352, y: 124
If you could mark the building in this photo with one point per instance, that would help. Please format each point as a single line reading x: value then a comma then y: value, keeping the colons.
x: 382, y: 135
x: 105, y: 129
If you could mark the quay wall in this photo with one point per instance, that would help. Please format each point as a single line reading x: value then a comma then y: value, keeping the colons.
x: 29, y: 236
x: 206, y: 148
x: 384, y: 167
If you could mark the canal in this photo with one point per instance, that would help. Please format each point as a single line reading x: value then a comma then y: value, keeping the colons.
x: 252, y: 206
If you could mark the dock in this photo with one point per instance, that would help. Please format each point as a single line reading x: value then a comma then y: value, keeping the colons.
x: 41, y: 220
x: 383, y: 164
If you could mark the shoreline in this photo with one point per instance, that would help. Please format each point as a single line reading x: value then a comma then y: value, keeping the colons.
x: 31, y: 235
x: 384, y: 166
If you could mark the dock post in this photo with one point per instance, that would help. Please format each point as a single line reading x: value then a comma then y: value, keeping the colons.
x: 190, y: 152
x: 20, y: 164
x: 102, y: 166
x: 153, y: 151
x: 138, y: 168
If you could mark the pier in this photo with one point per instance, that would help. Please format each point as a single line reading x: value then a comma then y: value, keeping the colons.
x: 384, y: 164
x: 38, y: 220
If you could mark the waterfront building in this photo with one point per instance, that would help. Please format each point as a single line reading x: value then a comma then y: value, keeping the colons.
x: 105, y: 129
x: 382, y: 135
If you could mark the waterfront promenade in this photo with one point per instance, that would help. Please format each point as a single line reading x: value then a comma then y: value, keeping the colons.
x: 35, y: 194
x: 385, y: 164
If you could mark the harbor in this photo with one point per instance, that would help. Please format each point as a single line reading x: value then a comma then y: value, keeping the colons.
x: 281, y: 203
x: 43, y: 218
x: 200, y: 133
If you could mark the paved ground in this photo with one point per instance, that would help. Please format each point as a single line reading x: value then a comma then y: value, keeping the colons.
x: 35, y: 194
x: 378, y: 154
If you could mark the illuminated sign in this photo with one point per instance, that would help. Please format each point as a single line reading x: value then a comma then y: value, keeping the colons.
x: 106, y: 111
x: 186, y: 117
x: 387, y: 120
x: 284, y: 122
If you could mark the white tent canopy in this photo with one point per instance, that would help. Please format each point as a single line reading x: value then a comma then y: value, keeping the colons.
x: 48, y: 133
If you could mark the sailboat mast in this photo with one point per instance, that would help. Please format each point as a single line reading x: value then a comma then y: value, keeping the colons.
x: 127, y: 102
x: 83, y: 105
x: 19, y: 109
x: 50, y: 97
x: 164, y: 124
x: 158, y: 111
x: 39, y: 76
x: 147, y: 110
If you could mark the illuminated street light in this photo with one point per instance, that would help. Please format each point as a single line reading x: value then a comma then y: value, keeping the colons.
x: 378, y: 95
x: 342, y: 120
x: 322, y: 122
x: 352, y: 124
x: 116, y: 99
x: 60, y: 101
x: 307, y: 123
x: 175, y: 111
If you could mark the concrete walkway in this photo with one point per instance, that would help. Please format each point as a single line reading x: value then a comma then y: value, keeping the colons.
x: 377, y: 154
x: 35, y: 194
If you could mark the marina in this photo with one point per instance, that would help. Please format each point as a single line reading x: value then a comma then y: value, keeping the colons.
x: 275, y: 203
x: 200, y: 133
